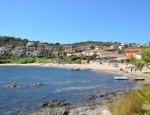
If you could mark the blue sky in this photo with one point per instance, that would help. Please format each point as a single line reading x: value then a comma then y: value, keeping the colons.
x: 68, y: 21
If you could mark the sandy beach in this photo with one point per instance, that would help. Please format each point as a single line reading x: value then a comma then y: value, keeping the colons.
x: 105, y: 67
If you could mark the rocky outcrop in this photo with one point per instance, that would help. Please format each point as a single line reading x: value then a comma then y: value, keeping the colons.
x: 57, y: 107
x: 90, y: 110
x: 12, y: 85
x: 37, y: 84
x: 91, y: 97
x: 55, y: 103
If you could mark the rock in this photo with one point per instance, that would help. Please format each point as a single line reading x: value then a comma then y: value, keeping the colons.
x: 91, y: 97
x: 55, y: 103
x: 37, y: 84
x: 12, y: 85
x: 45, y: 104
x: 104, y: 95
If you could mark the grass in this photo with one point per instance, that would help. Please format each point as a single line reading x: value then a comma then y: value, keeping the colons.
x: 132, y: 103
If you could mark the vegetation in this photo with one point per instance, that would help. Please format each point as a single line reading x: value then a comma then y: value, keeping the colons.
x: 145, y: 59
x: 24, y: 60
x: 5, y: 60
x: 139, y: 65
x: 97, y: 43
x: 135, y: 102
x: 5, y: 40
x: 132, y: 60
x: 146, y: 56
x: 76, y: 59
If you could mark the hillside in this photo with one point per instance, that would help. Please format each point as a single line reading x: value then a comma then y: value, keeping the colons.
x: 6, y: 40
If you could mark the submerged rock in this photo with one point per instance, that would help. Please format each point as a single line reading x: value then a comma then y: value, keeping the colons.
x: 37, y: 84
x: 55, y: 103
x: 12, y: 85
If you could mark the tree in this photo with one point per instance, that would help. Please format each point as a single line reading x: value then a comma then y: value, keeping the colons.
x: 139, y: 65
x: 132, y: 60
x: 146, y: 56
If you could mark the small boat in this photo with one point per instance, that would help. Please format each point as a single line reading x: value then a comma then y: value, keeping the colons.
x: 138, y: 79
x: 75, y: 69
x: 121, y: 78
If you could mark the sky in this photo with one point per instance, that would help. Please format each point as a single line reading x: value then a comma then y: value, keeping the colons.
x: 69, y: 21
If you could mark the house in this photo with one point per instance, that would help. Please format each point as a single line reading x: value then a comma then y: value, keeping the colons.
x: 131, y: 51
x: 88, y: 53
x: 30, y: 51
x: 110, y: 49
x: 121, y: 60
x: 30, y: 44
x: 97, y: 47
x: 30, y: 48
x: 70, y: 53
x: 107, y: 56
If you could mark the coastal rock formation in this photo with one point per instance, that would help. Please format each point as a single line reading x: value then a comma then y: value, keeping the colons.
x: 91, y: 97
x: 52, y: 111
x: 85, y: 110
x: 55, y: 103
x: 12, y: 85
x: 97, y: 110
x: 37, y: 84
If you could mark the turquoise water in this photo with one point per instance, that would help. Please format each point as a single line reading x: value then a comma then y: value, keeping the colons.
x: 72, y: 86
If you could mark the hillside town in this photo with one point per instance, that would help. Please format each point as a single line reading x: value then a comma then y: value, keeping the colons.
x: 120, y: 52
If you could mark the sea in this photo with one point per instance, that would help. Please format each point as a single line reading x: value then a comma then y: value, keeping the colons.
x: 58, y: 83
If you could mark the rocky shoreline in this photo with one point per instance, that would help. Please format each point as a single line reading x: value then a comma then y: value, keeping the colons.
x: 62, y: 107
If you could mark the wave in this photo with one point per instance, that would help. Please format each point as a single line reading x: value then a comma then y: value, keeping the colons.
x: 77, y: 88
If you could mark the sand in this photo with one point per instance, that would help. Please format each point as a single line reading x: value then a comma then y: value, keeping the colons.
x: 105, y: 67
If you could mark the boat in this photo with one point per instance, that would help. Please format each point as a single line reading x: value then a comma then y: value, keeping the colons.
x: 121, y: 78
x: 138, y: 79
x: 75, y: 69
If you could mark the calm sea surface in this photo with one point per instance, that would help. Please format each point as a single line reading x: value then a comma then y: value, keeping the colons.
x: 72, y: 86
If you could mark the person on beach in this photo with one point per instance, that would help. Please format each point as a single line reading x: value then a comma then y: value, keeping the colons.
x: 131, y: 69
x: 135, y: 70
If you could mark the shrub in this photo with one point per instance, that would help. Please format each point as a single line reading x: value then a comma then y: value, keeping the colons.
x: 132, y: 102
x: 22, y: 61
x: 30, y: 60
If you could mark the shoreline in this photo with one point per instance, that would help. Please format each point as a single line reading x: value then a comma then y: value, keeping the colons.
x: 104, y: 68
x: 98, y: 107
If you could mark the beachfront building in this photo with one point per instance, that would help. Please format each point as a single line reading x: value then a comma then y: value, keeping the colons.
x: 112, y: 57
x: 131, y: 52
x: 120, y: 60
x: 106, y: 56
